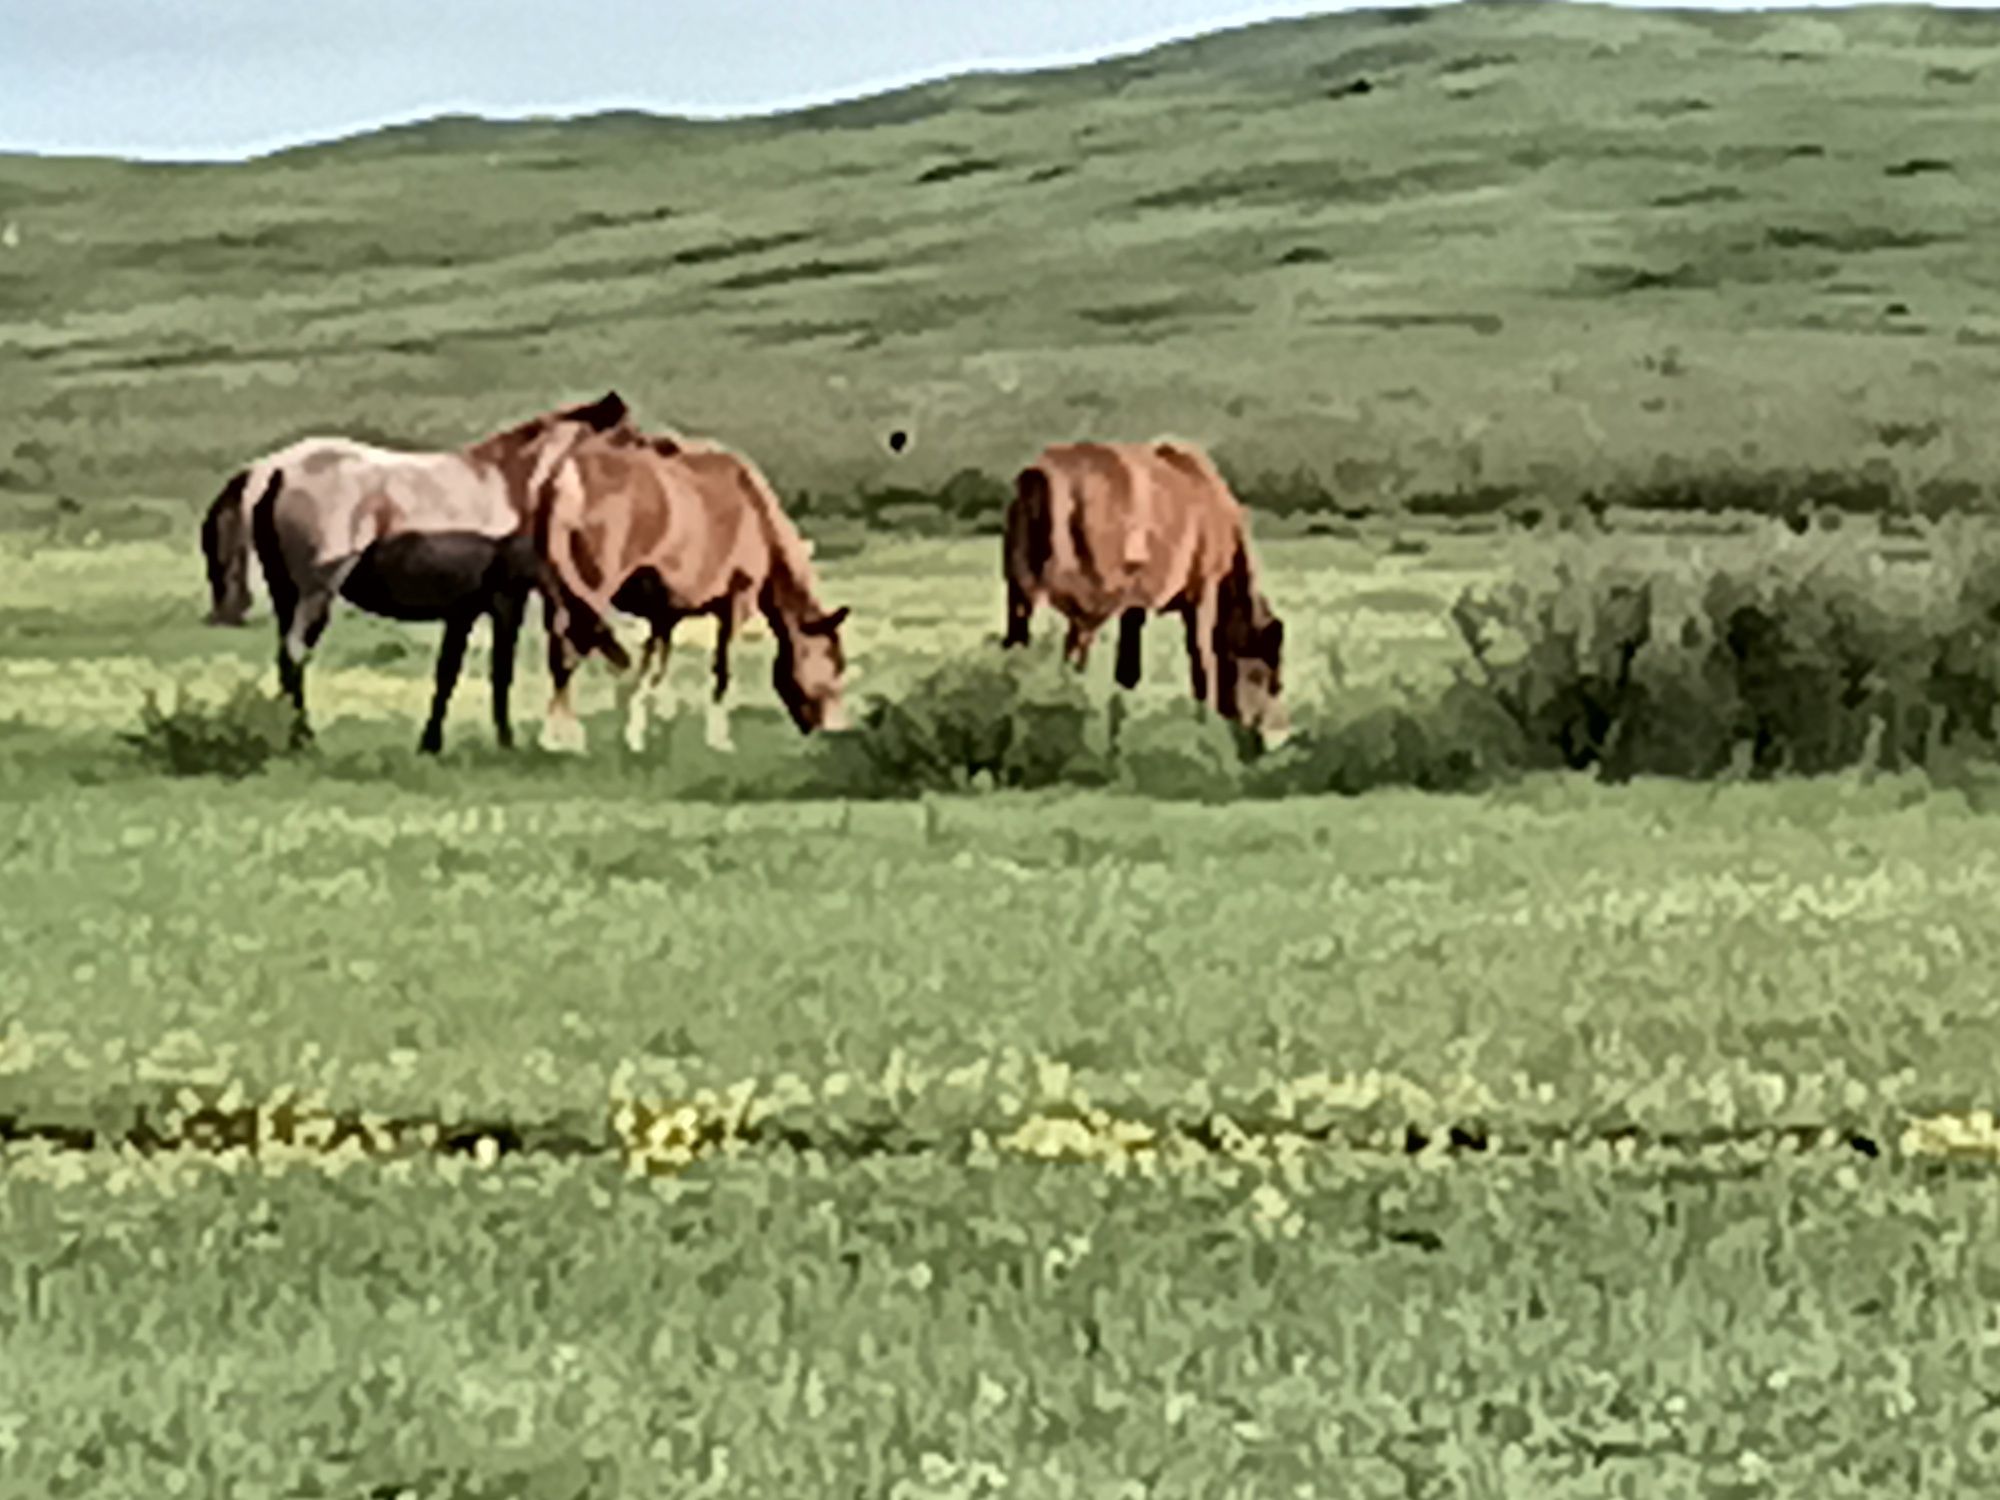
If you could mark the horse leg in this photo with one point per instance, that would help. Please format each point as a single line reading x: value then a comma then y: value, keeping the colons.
x: 645, y: 705
x: 718, y: 704
x: 451, y: 657
x: 1076, y: 646
x: 1131, y: 629
x: 505, y: 614
x: 560, y: 729
x: 299, y: 631
x: 1019, y: 607
x: 1200, y: 617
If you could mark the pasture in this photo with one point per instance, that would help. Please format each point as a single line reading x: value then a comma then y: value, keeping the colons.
x: 636, y: 1124
x: 488, y: 1127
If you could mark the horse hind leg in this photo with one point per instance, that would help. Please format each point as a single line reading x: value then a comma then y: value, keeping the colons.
x: 561, y: 732
x: 299, y: 628
x: 717, y: 727
x: 640, y: 692
x: 1020, y: 607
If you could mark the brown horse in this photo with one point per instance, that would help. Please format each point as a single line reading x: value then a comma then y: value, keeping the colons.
x: 1133, y: 529
x: 410, y: 536
x: 668, y: 527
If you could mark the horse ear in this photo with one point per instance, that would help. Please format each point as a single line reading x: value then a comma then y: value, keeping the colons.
x: 828, y: 624
x: 606, y: 412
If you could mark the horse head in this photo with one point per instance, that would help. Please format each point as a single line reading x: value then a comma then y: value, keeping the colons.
x: 1249, y: 659
x: 810, y: 670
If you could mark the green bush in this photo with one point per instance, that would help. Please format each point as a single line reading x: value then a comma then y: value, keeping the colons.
x: 1452, y: 741
x: 1781, y: 655
x: 1008, y: 718
x: 1177, y: 751
x: 235, y: 737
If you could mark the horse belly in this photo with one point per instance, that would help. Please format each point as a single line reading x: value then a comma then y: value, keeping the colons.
x: 420, y: 576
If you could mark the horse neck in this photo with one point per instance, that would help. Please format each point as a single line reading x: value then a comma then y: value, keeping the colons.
x: 1238, y: 600
x: 502, y: 455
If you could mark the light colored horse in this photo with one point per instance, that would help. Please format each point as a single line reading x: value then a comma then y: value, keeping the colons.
x: 1133, y: 529
x: 407, y: 535
x: 668, y: 527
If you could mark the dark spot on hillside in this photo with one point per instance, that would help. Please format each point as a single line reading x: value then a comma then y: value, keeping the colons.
x: 1951, y: 75
x: 1897, y: 309
x: 595, y: 219
x: 1720, y: 192
x: 1618, y: 278
x: 1668, y: 108
x: 810, y: 270
x: 1304, y: 255
x: 1348, y: 90
x: 729, y: 249
x: 1049, y: 174
x: 1475, y: 60
x: 1852, y: 238
x: 951, y: 171
x: 1916, y: 166
x: 898, y: 440
x: 1481, y: 323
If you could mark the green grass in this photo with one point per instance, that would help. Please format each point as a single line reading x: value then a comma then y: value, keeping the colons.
x: 497, y: 1128
x: 1553, y: 250
x: 517, y: 1126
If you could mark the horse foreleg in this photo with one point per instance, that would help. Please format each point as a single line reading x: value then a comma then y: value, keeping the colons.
x: 1131, y: 636
x: 718, y: 704
x: 451, y: 658
x: 505, y: 615
x: 1200, y: 617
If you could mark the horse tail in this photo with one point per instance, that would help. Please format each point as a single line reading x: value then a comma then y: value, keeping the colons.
x: 1030, y: 530
x: 270, y: 550
x: 225, y: 548
x: 576, y: 611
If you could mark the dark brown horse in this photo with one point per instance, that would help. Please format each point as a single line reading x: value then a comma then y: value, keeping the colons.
x: 665, y: 528
x: 1133, y: 529
x: 410, y: 536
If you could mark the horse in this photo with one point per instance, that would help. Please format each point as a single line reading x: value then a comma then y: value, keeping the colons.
x: 1133, y: 529
x: 409, y: 536
x: 664, y: 528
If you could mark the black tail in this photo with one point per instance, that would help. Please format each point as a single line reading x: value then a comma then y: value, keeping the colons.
x: 270, y: 554
x: 226, y: 549
x: 1026, y: 550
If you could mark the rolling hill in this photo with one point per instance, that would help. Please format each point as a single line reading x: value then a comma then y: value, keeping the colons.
x: 1382, y: 259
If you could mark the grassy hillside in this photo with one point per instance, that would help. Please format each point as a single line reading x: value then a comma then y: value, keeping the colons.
x: 1414, y: 257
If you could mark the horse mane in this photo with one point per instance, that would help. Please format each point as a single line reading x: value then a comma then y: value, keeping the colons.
x: 794, y: 587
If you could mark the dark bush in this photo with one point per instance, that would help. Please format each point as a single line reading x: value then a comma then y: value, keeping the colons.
x: 1007, y: 718
x: 233, y: 738
x: 1784, y: 654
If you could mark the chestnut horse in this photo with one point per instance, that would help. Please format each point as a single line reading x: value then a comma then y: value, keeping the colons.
x: 1133, y: 529
x: 409, y: 536
x: 668, y: 527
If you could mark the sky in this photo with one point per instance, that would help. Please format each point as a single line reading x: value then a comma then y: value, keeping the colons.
x: 224, y: 79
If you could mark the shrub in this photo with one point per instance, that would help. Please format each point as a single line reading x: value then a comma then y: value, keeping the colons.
x: 1790, y: 654
x: 234, y: 737
x: 1176, y: 751
x: 1016, y: 718
x: 1456, y: 740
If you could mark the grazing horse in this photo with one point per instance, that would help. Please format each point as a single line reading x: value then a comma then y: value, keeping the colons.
x: 409, y: 536
x: 668, y: 527
x: 1133, y: 529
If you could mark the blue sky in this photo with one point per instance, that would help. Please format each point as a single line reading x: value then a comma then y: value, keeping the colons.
x: 170, y: 79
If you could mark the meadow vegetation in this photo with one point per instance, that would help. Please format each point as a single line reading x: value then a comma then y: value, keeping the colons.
x: 1038, y: 1090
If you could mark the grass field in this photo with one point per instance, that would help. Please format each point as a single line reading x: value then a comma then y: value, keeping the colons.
x: 477, y: 1129
x: 520, y: 1126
